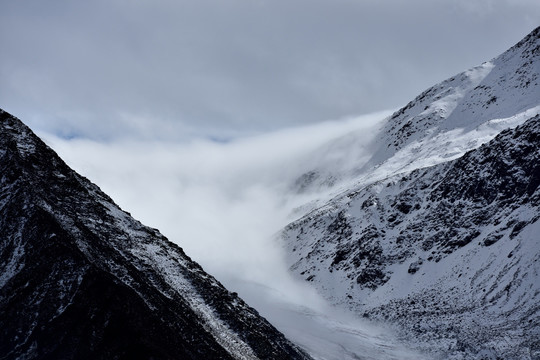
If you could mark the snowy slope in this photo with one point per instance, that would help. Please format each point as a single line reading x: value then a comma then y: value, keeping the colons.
x: 442, y: 123
x: 81, y: 279
x: 485, y: 99
x: 437, y: 233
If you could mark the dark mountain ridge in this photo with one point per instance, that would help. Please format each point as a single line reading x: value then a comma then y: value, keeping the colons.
x: 81, y: 279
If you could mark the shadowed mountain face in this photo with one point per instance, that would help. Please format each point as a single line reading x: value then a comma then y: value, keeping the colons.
x: 440, y: 235
x: 81, y: 279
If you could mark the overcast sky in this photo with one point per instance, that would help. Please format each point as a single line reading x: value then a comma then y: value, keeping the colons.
x: 175, y: 69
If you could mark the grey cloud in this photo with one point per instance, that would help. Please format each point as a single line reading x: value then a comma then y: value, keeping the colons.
x: 223, y: 67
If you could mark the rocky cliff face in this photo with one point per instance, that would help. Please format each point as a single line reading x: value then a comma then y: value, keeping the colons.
x: 81, y: 279
x: 440, y: 235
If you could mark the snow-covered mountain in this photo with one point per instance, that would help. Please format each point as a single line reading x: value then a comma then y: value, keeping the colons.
x: 440, y: 124
x: 439, y: 233
x: 81, y: 279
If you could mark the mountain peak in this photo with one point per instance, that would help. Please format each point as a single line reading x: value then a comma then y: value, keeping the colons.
x: 530, y: 41
x: 500, y: 89
x: 515, y: 70
x: 442, y: 123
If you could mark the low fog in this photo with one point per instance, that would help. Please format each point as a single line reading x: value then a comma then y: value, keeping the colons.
x: 224, y: 203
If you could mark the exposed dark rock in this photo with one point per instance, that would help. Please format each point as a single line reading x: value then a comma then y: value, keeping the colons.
x: 415, y: 266
x: 371, y: 277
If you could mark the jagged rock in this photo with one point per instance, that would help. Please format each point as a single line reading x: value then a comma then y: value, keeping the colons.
x: 415, y: 266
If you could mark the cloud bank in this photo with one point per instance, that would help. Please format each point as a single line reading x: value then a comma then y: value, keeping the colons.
x: 176, y: 69
x: 223, y: 202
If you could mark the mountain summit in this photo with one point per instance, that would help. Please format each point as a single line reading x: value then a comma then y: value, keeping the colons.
x: 443, y: 122
x: 81, y: 279
x: 439, y: 236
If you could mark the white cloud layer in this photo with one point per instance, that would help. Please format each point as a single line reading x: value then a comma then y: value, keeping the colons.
x: 223, y: 203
